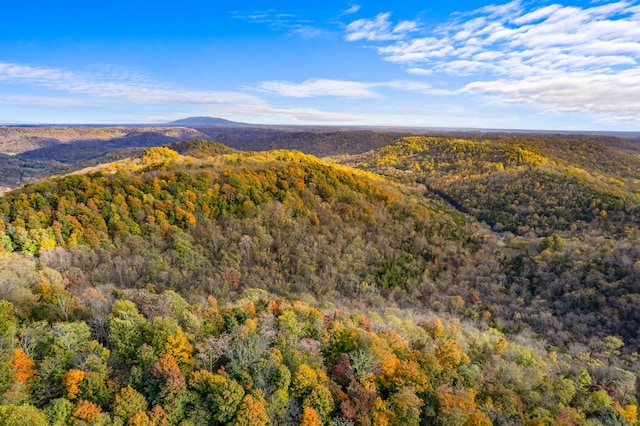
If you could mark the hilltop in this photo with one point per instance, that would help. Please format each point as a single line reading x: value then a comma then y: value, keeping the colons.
x: 522, y: 183
x: 277, y: 218
x: 29, y: 154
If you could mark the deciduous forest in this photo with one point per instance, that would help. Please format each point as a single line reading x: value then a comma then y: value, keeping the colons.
x: 470, y: 279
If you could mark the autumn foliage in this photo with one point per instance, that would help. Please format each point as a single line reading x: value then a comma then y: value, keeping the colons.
x: 71, y: 381
x: 22, y: 366
x: 162, y: 291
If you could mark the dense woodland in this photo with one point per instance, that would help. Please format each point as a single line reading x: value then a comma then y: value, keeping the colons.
x: 481, y: 281
x: 318, y: 142
x: 567, y: 208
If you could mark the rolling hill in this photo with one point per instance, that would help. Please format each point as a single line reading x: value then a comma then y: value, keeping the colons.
x: 568, y: 210
x: 37, y: 152
x: 283, y: 218
x: 142, y: 289
x: 541, y: 184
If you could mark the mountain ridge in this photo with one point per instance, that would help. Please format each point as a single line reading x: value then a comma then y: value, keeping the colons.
x: 206, y: 121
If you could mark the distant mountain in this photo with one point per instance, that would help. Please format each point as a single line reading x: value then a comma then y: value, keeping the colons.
x: 205, y: 121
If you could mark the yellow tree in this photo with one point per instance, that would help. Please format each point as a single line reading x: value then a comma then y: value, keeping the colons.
x: 303, y: 380
x: 129, y: 402
x: 141, y: 418
x: 435, y: 327
x: 179, y: 347
x: 320, y: 399
x: 406, y: 406
x: 252, y: 412
x: 448, y: 354
x: 158, y: 156
x: 222, y: 396
x: 71, y: 382
x: 457, y: 406
x: 23, y: 370
x: 629, y: 412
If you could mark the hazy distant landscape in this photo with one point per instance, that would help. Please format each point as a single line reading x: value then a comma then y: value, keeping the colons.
x: 29, y: 153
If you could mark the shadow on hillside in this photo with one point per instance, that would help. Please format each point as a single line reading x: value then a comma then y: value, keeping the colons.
x: 83, y: 150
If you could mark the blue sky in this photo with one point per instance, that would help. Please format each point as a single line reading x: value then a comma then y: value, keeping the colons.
x: 568, y: 65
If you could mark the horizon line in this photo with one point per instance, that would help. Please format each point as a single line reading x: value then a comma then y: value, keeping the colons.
x: 233, y: 124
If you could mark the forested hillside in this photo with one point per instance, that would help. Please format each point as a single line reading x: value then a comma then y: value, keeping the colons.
x: 31, y: 153
x: 520, y: 183
x: 28, y: 154
x: 281, y: 220
x: 319, y: 142
x: 167, y: 288
x: 568, y: 210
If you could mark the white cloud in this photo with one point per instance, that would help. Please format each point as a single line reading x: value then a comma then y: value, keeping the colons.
x: 307, y: 32
x: 510, y: 9
x: 570, y: 92
x: 24, y: 73
x: 318, y: 87
x: 108, y: 93
x: 537, y: 15
x: 43, y: 101
x: 407, y: 85
x: 340, y: 88
x: 378, y: 29
x: 561, y: 58
x: 419, y: 71
x: 354, y: 8
x: 114, y: 87
x: 418, y: 50
x: 312, y: 114
x: 488, y: 55
x: 405, y: 27
x: 287, y: 22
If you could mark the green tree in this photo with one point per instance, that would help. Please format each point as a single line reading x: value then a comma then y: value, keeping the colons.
x: 125, y: 331
x: 22, y: 415
x: 128, y: 402
x: 406, y: 406
x: 321, y: 400
x: 221, y: 396
x: 59, y: 412
x: 304, y: 379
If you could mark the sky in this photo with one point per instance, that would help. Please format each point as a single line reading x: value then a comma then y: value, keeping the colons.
x: 566, y: 65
